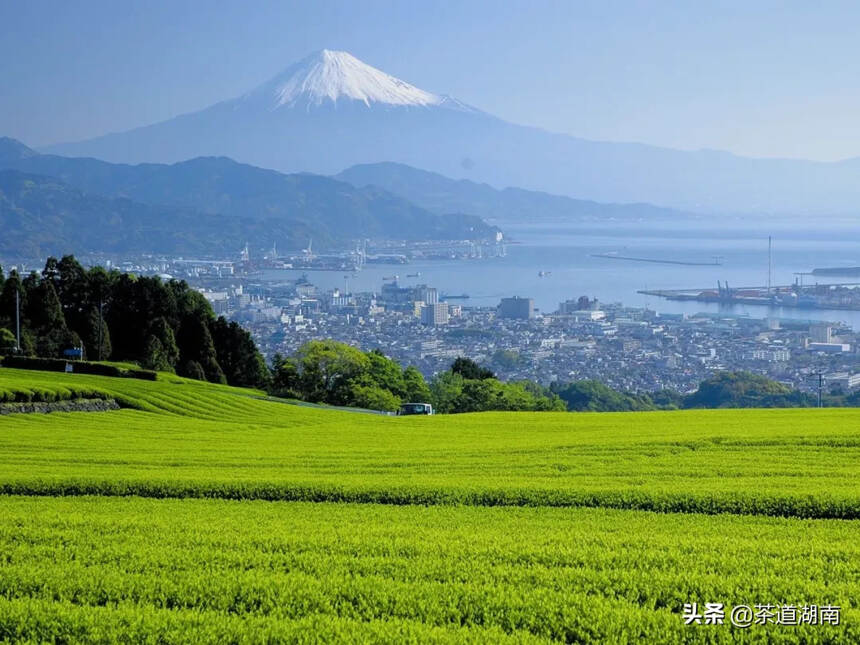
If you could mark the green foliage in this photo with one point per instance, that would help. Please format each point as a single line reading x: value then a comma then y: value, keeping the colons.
x: 79, y: 367
x: 96, y: 331
x: 446, y: 528
x: 415, y: 389
x: 284, y: 381
x: 373, y: 397
x: 506, y: 358
x: 237, y: 354
x: 445, y: 392
x: 199, y: 206
x: 388, y: 574
x: 155, y: 357
x: 383, y: 373
x: 706, y: 461
x: 193, y: 370
x: 469, y: 369
x: 127, y: 318
x: 467, y: 387
x: 594, y: 396
x: 7, y: 341
x: 165, y: 344
x: 722, y: 390
x: 743, y: 390
x: 327, y: 370
x: 339, y: 374
x: 7, y: 300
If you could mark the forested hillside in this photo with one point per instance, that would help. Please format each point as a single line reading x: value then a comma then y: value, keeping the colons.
x: 164, y: 326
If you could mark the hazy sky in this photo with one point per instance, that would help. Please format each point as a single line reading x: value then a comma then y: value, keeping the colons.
x: 757, y: 78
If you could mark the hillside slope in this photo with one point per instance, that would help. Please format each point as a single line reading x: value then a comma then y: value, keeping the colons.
x: 202, y: 513
x: 441, y: 194
x: 292, y: 208
x: 42, y: 216
x: 673, y: 461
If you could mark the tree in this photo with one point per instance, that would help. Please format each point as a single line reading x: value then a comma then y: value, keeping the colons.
x: 594, y: 396
x: 73, y: 292
x: 155, y: 357
x: 506, y: 358
x: 445, y: 391
x: 237, y: 355
x: 414, y: 386
x: 481, y: 395
x: 285, y: 378
x: 327, y: 369
x: 741, y: 390
x: 96, y: 331
x: 192, y: 369
x: 374, y: 398
x: 545, y: 400
x: 161, y: 331
x: 384, y: 373
x: 7, y: 299
x: 195, y: 345
x: 45, y: 318
x: 469, y: 369
x: 7, y: 341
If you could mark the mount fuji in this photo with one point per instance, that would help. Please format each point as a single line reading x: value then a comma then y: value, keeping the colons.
x: 330, y: 111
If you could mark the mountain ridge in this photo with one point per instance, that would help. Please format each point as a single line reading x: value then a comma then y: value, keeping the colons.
x: 509, y: 205
x: 295, y: 206
x: 458, y: 141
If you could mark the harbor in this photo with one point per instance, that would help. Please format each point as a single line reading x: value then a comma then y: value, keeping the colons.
x: 845, y: 295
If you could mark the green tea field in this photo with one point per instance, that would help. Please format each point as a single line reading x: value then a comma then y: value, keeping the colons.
x: 210, y: 514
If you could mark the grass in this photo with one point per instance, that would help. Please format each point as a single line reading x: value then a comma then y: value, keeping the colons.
x: 464, y: 530
x: 187, y: 439
x: 442, y: 573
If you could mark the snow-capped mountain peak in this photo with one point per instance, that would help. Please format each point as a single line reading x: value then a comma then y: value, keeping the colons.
x: 332, y: 76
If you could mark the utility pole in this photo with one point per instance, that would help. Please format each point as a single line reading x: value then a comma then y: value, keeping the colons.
x: 17, y: 321
x: 101, y: 325
x: 820, y: 376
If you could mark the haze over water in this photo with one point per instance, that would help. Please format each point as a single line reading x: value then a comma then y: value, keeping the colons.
x: 564, y: 252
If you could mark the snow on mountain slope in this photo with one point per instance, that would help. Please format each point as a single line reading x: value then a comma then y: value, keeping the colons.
x: 332, y: 76
x: 331, y: 111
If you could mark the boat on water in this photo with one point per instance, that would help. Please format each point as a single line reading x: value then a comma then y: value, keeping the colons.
x: 544, y: 274
x: 452, y: 296
x: 413, y: 275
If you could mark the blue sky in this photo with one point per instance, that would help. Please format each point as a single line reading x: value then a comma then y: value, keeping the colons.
x: 756, y: 78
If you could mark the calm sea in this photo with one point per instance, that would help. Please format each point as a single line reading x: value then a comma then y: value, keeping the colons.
x: 563, y: 254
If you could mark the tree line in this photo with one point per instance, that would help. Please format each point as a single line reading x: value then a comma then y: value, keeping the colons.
x: 327, y: 371
x: 164, y: 326
x: 338, y: 374
x: 723, y: 389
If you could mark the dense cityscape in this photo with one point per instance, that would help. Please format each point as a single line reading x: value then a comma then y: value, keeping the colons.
x: 627, y: 348
x: 634, y: 349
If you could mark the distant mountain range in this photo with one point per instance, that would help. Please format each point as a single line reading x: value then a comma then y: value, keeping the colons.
x: 202, y: 205
x: 42, y: 216
x: 441, y: 194
x: 331, y: 111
